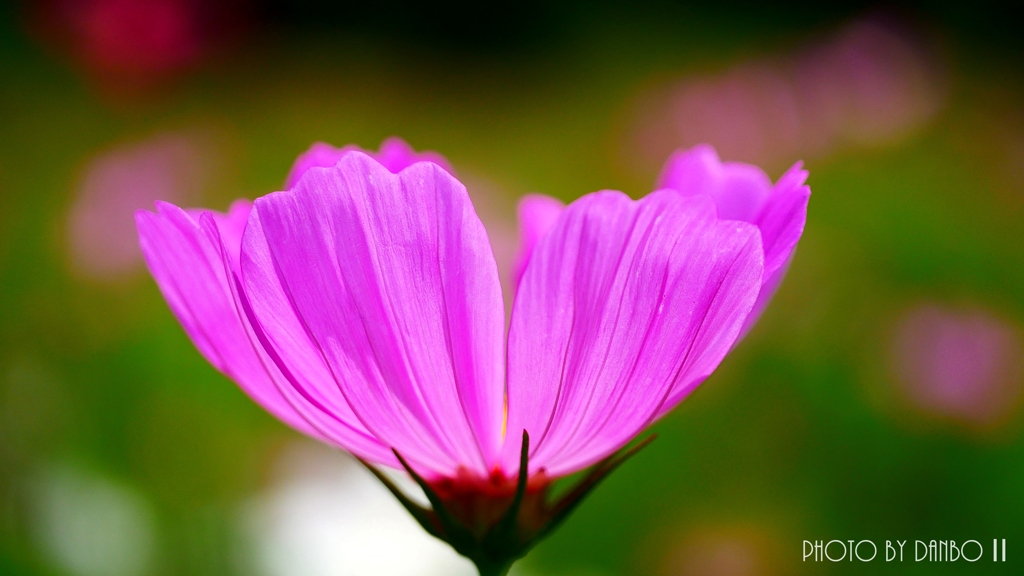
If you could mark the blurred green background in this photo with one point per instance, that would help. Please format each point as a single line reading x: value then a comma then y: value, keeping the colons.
x: 878, y: 397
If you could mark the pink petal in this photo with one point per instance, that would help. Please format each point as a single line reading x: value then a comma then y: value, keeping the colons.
x: 739, y: 189
x: 537, y: 214
x: 744, y: 192
x: 782, y: 219
x: 229, y: 226
x: 624, y: 308
x: 781, y: 222
x: 319, y: 154
x: 188, y: 270
x: 310, y: 390
x: 391, y: 281
x: 192, y: 257
x: 395, y: 155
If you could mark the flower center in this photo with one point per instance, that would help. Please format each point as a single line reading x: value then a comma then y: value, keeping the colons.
x: 480, y: 502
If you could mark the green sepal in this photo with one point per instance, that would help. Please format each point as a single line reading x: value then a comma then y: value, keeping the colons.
x: 505, y: 529
x: 426, y: 517
x: 453, y: 532
x: 504, y: 542
x: 565, y: 506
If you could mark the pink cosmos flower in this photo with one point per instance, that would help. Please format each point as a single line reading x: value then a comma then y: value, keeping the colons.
x: 362, y: 307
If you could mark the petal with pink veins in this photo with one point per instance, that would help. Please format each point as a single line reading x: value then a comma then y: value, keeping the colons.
x: 624, y: 308
x: 781, y: 222
x: 744, y: 192
x: 193, y: 256
x: 391, y: 281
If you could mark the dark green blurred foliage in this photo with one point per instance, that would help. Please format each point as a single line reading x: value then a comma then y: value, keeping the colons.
x: 797, y: 435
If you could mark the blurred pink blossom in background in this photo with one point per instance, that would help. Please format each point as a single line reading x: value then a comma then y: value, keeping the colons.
x: 868, y: 84
x: 127, y: 45
x: 102, y: 241
x: 963, y: 365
